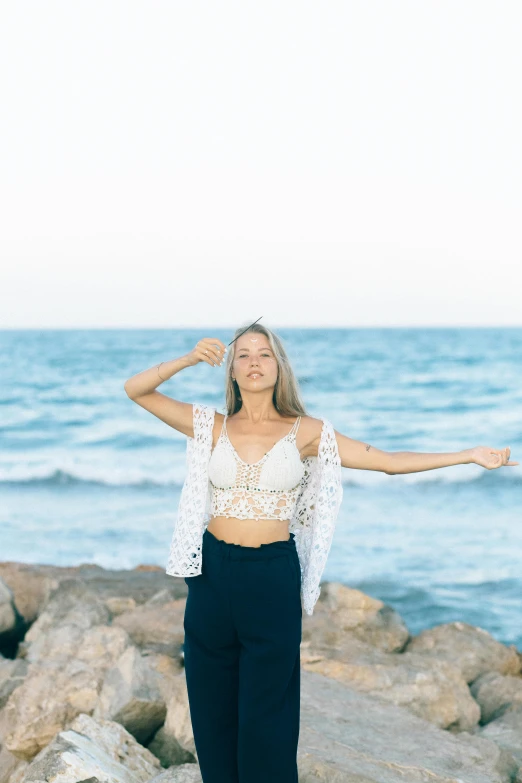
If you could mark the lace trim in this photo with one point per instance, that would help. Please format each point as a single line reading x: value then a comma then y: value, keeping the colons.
x: 243, y: 502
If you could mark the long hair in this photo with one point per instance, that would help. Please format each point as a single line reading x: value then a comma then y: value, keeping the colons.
x: 287, y: 396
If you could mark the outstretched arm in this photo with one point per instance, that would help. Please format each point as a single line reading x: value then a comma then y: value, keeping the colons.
x: 356, y: 454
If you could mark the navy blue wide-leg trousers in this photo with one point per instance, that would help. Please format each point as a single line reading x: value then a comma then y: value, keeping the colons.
x: 243, y: 623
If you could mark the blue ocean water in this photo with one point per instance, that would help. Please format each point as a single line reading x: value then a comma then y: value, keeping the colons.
x: 86, y: 475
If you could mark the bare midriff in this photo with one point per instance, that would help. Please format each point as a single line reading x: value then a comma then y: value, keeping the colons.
x: 249, y: 532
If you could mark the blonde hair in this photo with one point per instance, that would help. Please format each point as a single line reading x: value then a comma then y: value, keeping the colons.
x: 287, y: 396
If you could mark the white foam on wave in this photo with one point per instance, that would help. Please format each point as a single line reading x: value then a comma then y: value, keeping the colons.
x: 105, y: 470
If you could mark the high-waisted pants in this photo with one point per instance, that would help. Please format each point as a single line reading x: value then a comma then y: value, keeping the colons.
x: 243, y: 622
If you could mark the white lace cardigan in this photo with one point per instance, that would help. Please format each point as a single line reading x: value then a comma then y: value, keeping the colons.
x: 313, y: 521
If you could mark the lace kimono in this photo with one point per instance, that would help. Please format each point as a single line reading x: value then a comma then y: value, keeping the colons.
x: 313, y: 521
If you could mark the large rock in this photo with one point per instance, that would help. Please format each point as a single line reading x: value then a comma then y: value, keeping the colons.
x: 69, y: 613
x: 59, y: 688
x: 351, y: 737
x: 343, y: 612
x: 135, y: 692
x: 433, y: 690
x: 118, y: 605
x: 156, y: 626
x: 12, y: 674
x: 10, y: 766
x: 472, y: 649
x: 174, y: 741
x: 8, y: 762
x: 89, y: 749
x: 496, y: 694
x: 12, y: 626
x: 506, y: 732
x: 7, y: 610
x: 30, y: 586
x: 184, y: 773
x: 68, y: 648
x: 33, y: 585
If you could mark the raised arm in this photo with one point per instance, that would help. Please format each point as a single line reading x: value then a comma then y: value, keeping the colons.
x: 141, y: 388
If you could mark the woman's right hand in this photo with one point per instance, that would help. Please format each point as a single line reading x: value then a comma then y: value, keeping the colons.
x: 208, y: 349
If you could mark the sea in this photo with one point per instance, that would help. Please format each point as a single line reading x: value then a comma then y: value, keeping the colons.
x: 88, y: 476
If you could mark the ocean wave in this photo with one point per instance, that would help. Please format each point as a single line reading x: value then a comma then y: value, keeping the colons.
x: 57, y: 477
x: 174, y: 476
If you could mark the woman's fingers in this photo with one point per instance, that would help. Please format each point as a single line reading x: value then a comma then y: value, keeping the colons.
x: 212, y: 350
x: 206, y: 355
x: 508, y: 455
x: 501, y: 456
x: 491, y: 458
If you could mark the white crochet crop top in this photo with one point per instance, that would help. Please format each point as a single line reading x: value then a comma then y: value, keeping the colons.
x: 266, y: 489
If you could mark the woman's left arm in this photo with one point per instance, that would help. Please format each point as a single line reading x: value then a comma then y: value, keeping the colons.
x: 356, y: 454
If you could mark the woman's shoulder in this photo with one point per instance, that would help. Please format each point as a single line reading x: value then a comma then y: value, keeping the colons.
x: 309, y: 436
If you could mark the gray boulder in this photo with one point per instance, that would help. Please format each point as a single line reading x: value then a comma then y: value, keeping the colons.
x: 89, y: 749
x: 7, y: 610
x: 342, y: 613
x: 155, y: 625
x: 12, y: 674
x: 434, y: 690
x: 71, y: 611
x: 30, y: 586
x: 472, y: 649
x: 184, y: 773
x: 496, y: 694
x: 135, y: 692
x: 506, y: 732
x: 33, y: 585
x: 174, y: 741
x: 57, y: 689
x: 351, y: 737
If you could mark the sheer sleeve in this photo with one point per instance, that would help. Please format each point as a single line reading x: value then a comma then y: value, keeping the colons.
x: 185, y: 549
x: 316, y: 514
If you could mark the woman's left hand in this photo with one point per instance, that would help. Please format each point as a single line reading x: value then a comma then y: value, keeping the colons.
x: 491, y: 458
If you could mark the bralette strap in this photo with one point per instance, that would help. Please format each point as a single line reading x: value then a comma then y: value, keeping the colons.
x: 294, y: 429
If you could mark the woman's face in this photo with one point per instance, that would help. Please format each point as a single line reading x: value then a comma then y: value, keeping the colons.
x: 254, y: 365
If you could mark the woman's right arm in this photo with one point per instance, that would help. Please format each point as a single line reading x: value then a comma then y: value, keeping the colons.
x: 141, y: 388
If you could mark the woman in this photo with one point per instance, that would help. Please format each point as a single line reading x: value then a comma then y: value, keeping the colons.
x: 254, y: 529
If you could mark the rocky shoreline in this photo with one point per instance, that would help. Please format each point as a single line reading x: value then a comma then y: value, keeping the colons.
x: 92, y: 687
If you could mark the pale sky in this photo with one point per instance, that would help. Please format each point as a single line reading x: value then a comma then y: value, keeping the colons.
x: 169, y: 164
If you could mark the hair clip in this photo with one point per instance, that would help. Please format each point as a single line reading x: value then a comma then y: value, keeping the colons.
x: 245, y: 330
